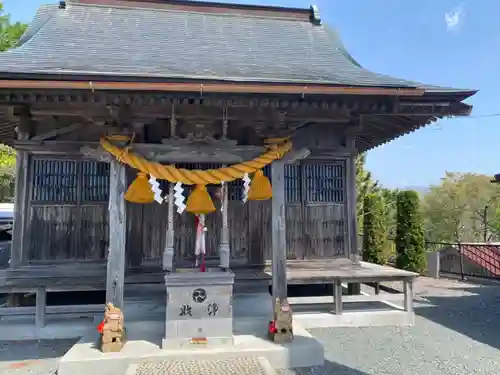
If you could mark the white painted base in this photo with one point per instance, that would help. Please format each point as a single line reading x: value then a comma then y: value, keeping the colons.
x: 355, y: 319
x: 249, y: 341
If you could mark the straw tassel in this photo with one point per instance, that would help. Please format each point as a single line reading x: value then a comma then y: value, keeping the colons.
x: 199, y: 201
x: 260, y: 188
x: 139, y: 190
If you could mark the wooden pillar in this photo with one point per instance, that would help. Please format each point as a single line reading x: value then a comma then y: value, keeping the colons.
x: 352, y: 223
x: 224, y: 248
x: 352, y: 288
x: 21, y: 241
x: 408, y: 292
x: 115, y: 277
x: 168, y: 252
x: 278, y: 231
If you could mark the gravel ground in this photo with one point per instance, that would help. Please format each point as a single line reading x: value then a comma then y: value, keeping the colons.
x: 456, y: 333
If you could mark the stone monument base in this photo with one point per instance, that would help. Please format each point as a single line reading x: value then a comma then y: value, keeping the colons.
x: 141, y: 350
x: 199, y: 309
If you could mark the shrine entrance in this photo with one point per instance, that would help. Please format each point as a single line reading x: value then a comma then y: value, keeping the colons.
x: 147, y: 236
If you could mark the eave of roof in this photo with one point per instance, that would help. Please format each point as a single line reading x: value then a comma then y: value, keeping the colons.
x: 208, y: 86
x: 60, y: 51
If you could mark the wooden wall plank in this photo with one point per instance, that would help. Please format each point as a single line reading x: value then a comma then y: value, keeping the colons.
x: 135, y: 234
x: 94, y: 232
x: 154, y: 223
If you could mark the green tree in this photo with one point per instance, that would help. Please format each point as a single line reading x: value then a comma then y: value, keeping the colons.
x: 410, y: 242
x: 365, y: 185
x: 374, y: 229
x: 463, y: 207
x: 7, y: 173
x: 10, y: 32
x: 389, y: 198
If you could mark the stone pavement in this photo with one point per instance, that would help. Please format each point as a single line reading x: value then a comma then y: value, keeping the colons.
x: 456, y: 333
x: 240, y: 366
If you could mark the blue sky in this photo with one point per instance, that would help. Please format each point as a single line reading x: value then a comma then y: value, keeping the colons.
x: 445, y: 42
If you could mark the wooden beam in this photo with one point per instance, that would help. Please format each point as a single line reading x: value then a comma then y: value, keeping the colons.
x: 58, y: 132
x: 332, y: 153
x: 278, y: 219
x: 294, y: 156
x: 87, y: 310
x: 96, y: 112
x: 193, y: 153
x: 97, y: 154
x: 115, y: 276
x: 52, y: 147
x: 158, y: 152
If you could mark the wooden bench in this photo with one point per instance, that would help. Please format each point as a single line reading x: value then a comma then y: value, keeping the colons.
x: 41, y: 280
x: 41, y: 310
x: 340, y: 272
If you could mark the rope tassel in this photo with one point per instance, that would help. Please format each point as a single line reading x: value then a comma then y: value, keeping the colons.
x: 139, y: 190
x: 260, y: 188
x: 199, y: 201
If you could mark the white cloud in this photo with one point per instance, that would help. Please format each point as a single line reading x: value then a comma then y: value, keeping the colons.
x: 454, y: 18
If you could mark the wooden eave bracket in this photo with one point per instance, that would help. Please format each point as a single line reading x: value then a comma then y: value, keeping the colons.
x: 294, y: 155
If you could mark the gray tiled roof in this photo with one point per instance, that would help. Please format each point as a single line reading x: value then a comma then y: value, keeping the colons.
x: 85, y: 39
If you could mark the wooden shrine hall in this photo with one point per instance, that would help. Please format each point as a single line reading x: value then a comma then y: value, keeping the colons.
x: 196, y: 86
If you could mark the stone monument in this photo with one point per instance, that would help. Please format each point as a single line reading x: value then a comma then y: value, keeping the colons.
x: 199, y: 308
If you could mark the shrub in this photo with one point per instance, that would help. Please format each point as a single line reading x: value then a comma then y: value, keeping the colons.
x: 7, y: 173
x: 374, y: 230
x: 410, y: 242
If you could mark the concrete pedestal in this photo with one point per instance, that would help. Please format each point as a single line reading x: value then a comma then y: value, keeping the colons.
x: 199, y: 308
x: 433, y: 264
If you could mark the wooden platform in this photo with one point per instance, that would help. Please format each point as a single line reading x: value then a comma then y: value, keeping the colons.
x: 41, y: 279
x: 92, y: 276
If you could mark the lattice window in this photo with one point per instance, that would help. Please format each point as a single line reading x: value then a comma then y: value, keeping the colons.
x: 292, y: 184
x: 55, y: 181
x: 69, y: 181
x: 95, y: 181
x: 324, y: 183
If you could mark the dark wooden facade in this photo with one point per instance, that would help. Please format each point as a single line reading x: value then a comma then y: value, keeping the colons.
x: 67, y: 206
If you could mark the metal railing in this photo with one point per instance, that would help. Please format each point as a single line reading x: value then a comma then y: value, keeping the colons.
x: 467, y: 259
x: 480, y: 260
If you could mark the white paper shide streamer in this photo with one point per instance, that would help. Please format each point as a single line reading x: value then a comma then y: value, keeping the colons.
x: 179, y: 198
x: 200, y: 249
x: 246, y: 187
x: 155, y: 187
